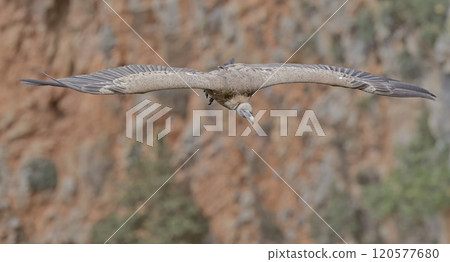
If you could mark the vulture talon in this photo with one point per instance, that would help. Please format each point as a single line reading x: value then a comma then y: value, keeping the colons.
x: 210, y: 100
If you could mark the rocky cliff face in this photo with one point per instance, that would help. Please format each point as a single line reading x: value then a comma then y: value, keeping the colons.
x: 68, y: 173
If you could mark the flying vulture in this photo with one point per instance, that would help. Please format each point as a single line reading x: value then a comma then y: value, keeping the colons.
x: 231, y: 85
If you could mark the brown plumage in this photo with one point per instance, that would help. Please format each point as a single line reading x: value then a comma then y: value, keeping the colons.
x: 231, y: 85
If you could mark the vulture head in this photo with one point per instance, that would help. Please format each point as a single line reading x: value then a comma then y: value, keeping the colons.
x: 245, y: 110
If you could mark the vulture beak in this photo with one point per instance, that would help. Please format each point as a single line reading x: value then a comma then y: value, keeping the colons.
x: 248, y: 115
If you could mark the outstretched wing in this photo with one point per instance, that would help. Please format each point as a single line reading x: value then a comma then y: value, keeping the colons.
x: 131, y: 79
x: 336, y: 76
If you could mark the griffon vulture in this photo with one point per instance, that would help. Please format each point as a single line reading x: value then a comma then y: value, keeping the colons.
x: 231, y: 85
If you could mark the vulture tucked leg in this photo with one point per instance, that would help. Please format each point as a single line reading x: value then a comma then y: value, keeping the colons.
x: 210, y: 99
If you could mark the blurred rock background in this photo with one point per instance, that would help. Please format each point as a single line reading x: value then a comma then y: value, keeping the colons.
x: 68, y: 174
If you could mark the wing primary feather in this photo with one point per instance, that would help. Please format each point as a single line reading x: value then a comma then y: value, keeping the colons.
x: 401, y: 89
